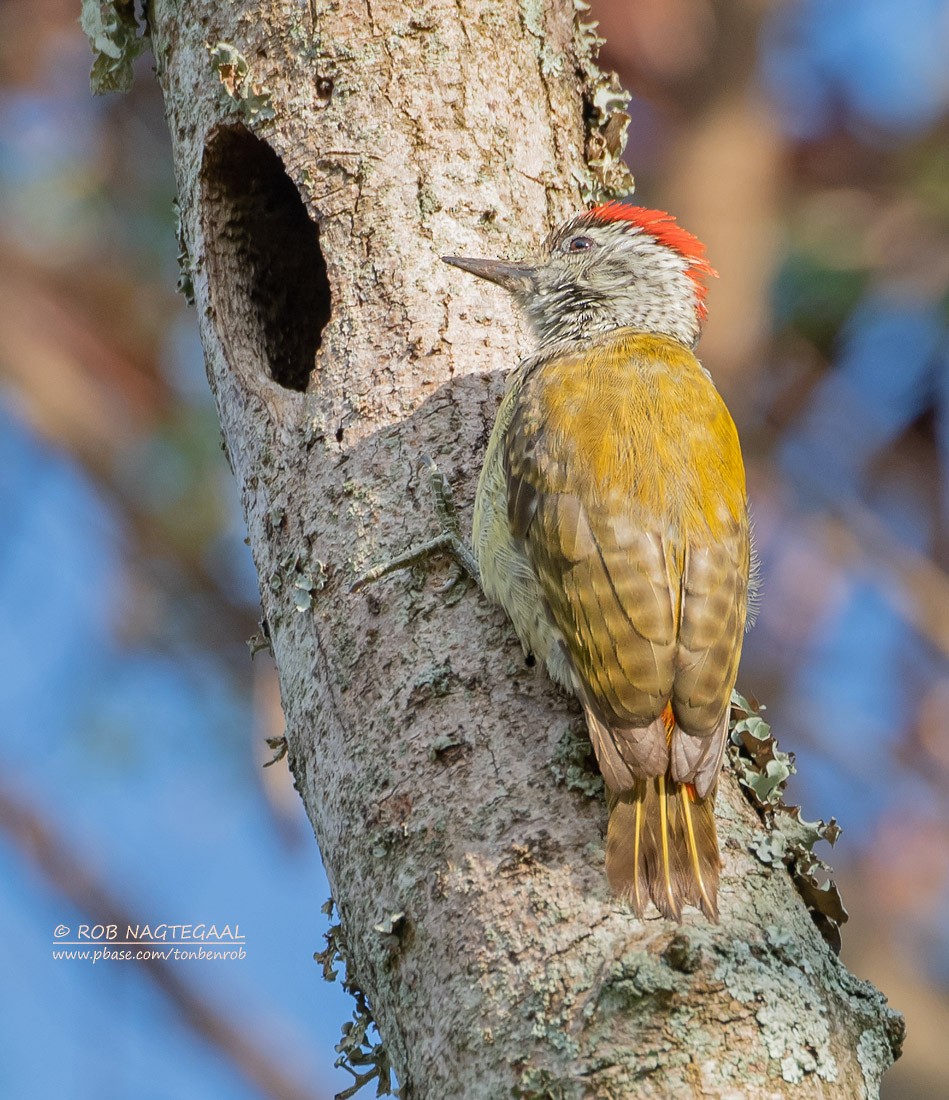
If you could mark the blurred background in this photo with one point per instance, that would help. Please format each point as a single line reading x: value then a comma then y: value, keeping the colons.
x: 806, y: 143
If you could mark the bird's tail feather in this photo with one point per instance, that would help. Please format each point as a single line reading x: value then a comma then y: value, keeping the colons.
x: 661, y: 846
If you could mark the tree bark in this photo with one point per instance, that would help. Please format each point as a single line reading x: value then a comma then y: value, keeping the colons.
x: 327, y: 155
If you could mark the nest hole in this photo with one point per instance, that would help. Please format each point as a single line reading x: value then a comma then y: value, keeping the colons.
x: 266, y: 273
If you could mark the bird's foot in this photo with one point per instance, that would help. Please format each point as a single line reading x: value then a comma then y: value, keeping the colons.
x: 449, y: 541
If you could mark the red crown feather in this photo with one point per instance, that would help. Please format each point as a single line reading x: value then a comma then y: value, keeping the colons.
x: 663, y: 228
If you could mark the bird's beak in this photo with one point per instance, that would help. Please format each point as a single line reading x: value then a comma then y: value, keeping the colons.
x: 516, y: 278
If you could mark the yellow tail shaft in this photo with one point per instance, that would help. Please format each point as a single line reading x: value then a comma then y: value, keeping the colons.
x: 661, y: 846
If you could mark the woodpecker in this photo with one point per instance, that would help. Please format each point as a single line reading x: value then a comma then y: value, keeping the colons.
x: 611, y: 524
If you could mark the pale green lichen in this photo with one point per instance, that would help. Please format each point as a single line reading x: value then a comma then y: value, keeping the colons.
x: 280, y: 747
x: 574, y: 764
x: 305, y: 584
x: 791, y: 1016
x: 252, y: 100
x: 551, y: 61
x: 537, y: 1083
x: 635, y: 976
x: 763, y: 771
x: 391, y: 924
x: 881, y: 1044
x: 874, y: 1054
x: 605, y: 101
x: 359, y: 1054
x: 303, y: 577
x: 435, y: 682
x: 114, y: 35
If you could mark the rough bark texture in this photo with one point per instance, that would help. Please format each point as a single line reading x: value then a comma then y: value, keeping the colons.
x: 421, y: 743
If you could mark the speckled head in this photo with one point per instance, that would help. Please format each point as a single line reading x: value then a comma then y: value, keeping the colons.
x: 615, y: 266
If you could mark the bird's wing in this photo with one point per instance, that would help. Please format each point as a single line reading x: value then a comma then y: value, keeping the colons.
x: 712, y: 623
x: 607, y: 586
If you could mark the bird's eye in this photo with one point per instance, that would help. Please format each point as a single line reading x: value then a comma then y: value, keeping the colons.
x: 579, y: 244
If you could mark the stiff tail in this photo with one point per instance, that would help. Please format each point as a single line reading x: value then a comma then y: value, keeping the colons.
x: 661, y: 846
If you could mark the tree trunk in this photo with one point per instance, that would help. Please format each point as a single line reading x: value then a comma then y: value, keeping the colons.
x: 327, y: 154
